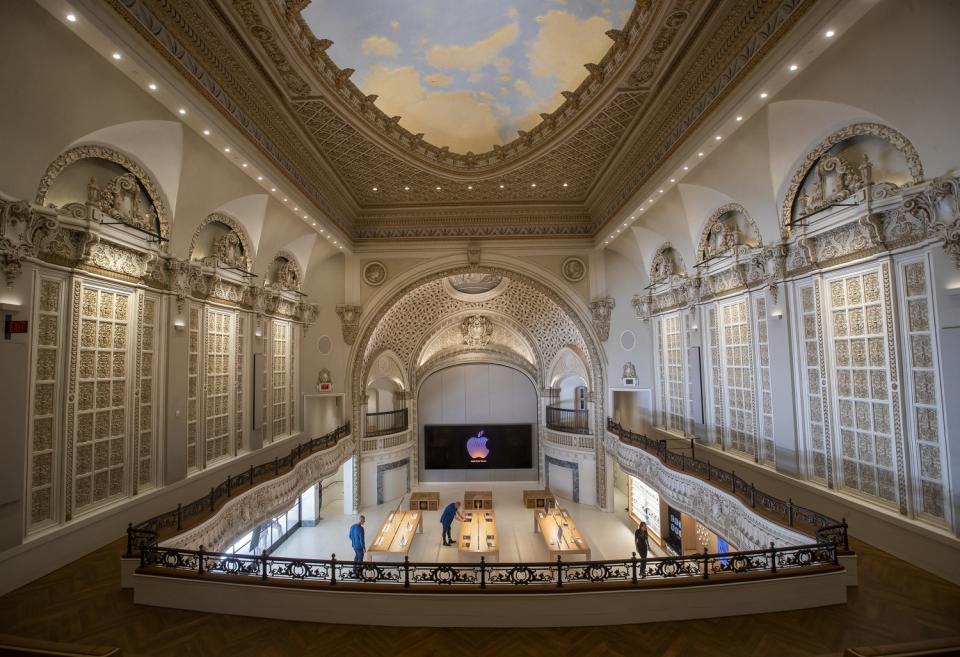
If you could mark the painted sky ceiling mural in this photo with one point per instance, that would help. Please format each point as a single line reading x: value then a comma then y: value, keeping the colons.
x: 467, y: 74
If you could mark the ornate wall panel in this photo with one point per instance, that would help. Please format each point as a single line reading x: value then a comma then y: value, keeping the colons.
x: 921, y: 360
x: 670, y: 372
x: 716, y: 388
x: 280, y: 377
x: 814, y: 398
x: 241, y: 350
x: 737, y: 376
x: 193, y: 389
x: 44, y: 450
x: 100, y: 380
x: 219, y: 359
x: 147, y: 367
x: 766, y: 450
x: 865, y: 404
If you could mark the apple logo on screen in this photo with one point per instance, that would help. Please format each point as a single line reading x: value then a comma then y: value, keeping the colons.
x: 477, y: 448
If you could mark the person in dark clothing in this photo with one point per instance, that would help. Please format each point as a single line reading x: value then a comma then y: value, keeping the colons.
x: 642, y: 541
x: 358, y: 543
x: 446, y: 519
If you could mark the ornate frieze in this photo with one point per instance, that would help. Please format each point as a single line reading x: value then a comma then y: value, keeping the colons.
x: 22, y: 230
x: 476, y: 330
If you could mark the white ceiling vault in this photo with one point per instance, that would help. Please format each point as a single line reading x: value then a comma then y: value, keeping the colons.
x: 429, y: 120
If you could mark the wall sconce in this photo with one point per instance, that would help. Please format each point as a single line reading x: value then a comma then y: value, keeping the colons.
x: 258, y: 333
x: 776, y: 314
x: 694, y: 327
x: 179, y: 324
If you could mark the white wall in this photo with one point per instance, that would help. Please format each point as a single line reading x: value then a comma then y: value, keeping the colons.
x: 474, y: 393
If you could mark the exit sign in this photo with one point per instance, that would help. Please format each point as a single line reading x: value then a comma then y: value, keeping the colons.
x: 11, y: 326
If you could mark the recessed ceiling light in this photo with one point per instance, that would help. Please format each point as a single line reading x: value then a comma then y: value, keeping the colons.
x: 700, y: 154
x: 322, y: 230
x: 718, y: 137
x: 117, y: 56
x: 306, y: 216
x: 284, y: 200
x: 533, y: 184
x: 152, y: 86
x: 273, y: 189
x: 72, y: 18
x: 829, y: 34
x: 739, y: 118
x: 226, y: 149
x: 793, y: 67
x: 650, y: 200
x: 295, y: 208
x: 376, y: 189
x: 259, y: 177
x: 625, y: 223
x: 673, y: 180
x: 206, y: 132
x: 565, y: 184
x: 314, y: 223
x: 181, y: 111
x: 244, y: 165
x: 341, y: 248
x: 501, y: 186
x: 686, y: 168
x: 438, y: 188
x: 661, y: 191
x: 469, y: 186
x: 406, y: 189
x: 763, y: 94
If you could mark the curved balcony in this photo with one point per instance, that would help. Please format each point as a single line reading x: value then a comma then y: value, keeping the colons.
x: 386, y: 423
x: 568, y: 420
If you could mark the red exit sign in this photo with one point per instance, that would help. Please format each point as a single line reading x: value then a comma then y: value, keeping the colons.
x: 11, y: 326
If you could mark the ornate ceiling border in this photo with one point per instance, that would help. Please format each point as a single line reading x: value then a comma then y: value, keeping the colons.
x: 178, y: 32
x: 717, y: 70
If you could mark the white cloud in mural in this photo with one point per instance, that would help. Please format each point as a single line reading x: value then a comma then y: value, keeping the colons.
x: 394, y: 25
x: 475, y: 56
x: 524, y: 88
x: 438, y: 80
x: 564, y: 44
x: 462, y: 120
x: 380, y: 45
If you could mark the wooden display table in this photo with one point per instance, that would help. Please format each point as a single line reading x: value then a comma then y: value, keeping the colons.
x: 396, y: 533
x: 478, y: 536
x: 478, y: 499
x: 560, y: 534
x: 537, y: 499
x: 425, y: 501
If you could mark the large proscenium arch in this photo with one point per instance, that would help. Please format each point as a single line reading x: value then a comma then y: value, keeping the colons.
x: 553, y: 292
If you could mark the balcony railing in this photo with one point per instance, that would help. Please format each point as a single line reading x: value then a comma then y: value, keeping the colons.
x: 568, y: 419
x: 381, y: 424
x: 785, y: 512
x: 149, y: 532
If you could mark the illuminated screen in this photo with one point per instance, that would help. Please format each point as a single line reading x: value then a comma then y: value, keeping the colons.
x: 477, y: 446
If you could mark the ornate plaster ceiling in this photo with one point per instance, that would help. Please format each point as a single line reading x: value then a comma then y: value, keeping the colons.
x: 263, y: 65
x: 468, y: 75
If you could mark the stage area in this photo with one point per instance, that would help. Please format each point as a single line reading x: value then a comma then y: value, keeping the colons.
x: 610, y: 535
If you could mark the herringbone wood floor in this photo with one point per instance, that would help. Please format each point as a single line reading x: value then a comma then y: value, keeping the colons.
x: 83, y: 602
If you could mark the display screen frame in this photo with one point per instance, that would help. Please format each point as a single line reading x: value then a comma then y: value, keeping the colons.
x: 500, y: 446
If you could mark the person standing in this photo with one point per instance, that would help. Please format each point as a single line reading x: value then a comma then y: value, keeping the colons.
x: 642, y: 541
x: 358, y: 543
x: 446, y: 519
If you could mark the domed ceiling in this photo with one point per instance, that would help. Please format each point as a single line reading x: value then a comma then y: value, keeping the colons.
x: 475, y: 118
x: 470, y: 74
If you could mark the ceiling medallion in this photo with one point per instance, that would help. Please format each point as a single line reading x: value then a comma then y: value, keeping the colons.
x: 573, y: 269
x: 374, y: 273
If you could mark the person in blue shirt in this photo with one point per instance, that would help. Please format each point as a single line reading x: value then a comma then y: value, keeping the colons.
x: 446, y: 519
x: 358, y: 543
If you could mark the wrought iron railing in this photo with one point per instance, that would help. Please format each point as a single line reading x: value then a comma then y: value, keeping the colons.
x: 568, y: 419
x: 825, y: 528
x: 147, y: 533
x: 406, y: 574
x: 381, y: 424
